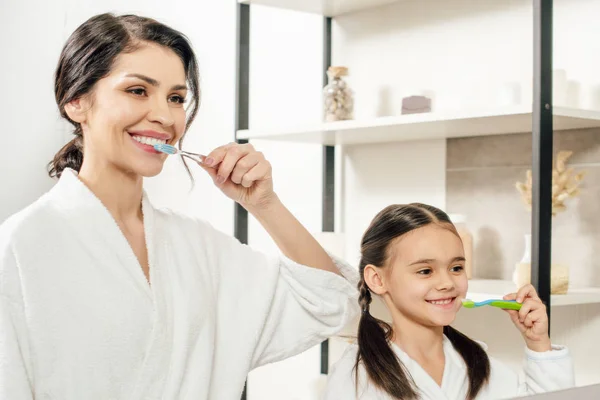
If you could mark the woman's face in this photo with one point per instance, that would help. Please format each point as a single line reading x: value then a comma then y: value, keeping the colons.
x: 139, y: 104
x: 426, y: 280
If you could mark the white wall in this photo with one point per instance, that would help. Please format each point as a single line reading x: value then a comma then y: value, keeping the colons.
x: 30, y: 121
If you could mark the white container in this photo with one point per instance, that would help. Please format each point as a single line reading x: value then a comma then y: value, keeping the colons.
x: 459, y: 222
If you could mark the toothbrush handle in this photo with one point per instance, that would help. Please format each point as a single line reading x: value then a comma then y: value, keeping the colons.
x: 506, y: 304
x: 193, y: 156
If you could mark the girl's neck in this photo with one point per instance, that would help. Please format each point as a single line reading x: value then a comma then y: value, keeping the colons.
x: 119, y: 191
x: 420, y: 342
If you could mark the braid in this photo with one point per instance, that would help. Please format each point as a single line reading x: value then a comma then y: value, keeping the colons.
x: 381, y: 364
x: 364, y: 298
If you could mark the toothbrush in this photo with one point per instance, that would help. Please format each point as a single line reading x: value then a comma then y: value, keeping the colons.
x: 168, y: 149
x: 504, y: 304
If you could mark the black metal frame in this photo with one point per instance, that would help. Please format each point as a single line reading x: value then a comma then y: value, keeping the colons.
x: 542, y: 145
x: 242, y: 101
x: 240, y: 217
x: 542, y: 151
x: 328, y: 176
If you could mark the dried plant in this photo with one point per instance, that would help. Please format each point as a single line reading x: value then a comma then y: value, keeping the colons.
x: 565, y: 183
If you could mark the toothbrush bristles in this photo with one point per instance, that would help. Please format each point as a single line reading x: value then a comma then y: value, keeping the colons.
x: 165, y: 148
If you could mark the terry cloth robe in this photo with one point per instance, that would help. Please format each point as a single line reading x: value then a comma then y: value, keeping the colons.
x: 79, y: 320
x: 542, y: 372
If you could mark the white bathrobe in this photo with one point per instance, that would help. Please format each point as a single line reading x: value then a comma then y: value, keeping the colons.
x: 542, y: 372
x: 78, y: 319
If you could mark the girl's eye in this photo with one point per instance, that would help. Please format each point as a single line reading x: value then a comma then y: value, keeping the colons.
x: 457, y: 268
x: 177, y: 99
x: 137, y: 91
x: 424, y: 272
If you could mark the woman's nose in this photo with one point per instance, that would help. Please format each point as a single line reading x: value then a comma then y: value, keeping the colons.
x: 161, y: 113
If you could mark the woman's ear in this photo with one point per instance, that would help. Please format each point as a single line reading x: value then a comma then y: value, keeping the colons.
x: 373, y: 277
x: 77, y: 110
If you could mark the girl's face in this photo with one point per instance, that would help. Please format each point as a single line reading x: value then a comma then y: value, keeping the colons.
x: 425, y: 279
x: 139, y: 104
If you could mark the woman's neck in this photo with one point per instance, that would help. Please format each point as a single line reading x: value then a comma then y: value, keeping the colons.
x: 120, y: 192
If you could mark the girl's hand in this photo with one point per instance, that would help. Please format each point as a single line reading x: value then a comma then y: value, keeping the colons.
x: 242, y: 173
x: 531, y: 320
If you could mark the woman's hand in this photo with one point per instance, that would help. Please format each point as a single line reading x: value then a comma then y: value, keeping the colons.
x: 531, y: 320
x: 242, y: 173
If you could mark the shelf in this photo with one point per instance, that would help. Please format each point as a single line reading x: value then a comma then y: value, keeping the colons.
x: 328, y: 8
x: 481, y: 289
x: 434, y: 125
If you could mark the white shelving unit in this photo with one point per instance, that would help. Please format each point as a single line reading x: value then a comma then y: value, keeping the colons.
x: 483, y: 289
x: 439, y: 124
x: 327, y: 8
x: 434, y: 125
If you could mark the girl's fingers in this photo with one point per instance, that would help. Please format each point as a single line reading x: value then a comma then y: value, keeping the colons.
x: 527, y: 291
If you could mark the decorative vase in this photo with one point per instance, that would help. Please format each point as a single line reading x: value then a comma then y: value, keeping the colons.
x: 559, y: 275
x: 338, y: 98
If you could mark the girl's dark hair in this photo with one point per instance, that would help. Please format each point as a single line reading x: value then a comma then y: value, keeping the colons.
x: 382, y: 365
x: 89, y: 55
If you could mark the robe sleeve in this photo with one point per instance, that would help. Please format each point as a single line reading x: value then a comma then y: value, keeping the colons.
x: 341, y: 381
x: 547, y: 371
x: 308, y: 305
x: 283, y: 307
x: 15, y: 382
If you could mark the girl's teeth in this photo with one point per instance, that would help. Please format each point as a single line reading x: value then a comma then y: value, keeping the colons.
x: 442, y: 302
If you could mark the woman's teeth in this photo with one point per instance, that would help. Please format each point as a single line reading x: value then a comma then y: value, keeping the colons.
x: 440, y: 302
x: 148, y: 140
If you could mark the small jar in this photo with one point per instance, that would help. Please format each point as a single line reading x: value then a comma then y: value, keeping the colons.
x: 459, y: 222
x: 338, y: 98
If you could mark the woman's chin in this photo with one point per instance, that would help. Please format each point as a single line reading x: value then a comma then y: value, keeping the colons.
x: 148, y: 169
x: 151, y: 172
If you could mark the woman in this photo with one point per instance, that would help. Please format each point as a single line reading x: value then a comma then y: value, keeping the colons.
x: 102, y: 296
x: 412, y: 257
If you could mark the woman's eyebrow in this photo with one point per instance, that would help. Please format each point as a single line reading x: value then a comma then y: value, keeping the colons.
x: 154, y: 82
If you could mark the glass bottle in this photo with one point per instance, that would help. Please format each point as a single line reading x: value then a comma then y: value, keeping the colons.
x: 338, y: 98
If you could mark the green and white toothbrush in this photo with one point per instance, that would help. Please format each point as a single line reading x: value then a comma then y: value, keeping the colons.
x: 504, y: 304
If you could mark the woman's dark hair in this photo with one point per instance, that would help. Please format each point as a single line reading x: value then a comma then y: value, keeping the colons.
x: 89, y: 55
x: 382, y: 365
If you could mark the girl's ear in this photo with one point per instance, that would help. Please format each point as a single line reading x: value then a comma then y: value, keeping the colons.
x: 373, y: 277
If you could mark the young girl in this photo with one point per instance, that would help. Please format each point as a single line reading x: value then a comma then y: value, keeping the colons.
x: 104, y: 296
x: 413, y: 258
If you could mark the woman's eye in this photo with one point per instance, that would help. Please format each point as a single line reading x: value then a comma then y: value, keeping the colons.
x: 177, y: 99
x: 137, y: 91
